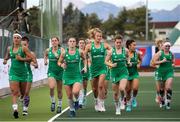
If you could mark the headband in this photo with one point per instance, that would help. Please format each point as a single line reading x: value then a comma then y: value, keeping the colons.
x: 167, y: 43
x: 17, y: 34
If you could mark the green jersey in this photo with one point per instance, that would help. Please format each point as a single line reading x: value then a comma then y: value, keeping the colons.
x: 72, y: 72
x: 54, y: 70
x: 120, y: 71
x: 18, y: 69
x: 98, y: 66
x: 133, y: 72
x: 165, y: 70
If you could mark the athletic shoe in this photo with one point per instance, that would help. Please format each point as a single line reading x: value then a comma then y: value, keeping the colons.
x: 168, y: 106
x: 72, y: 113
x: 162, y: 104
x: 53, y: 107
x: 103, y: 107
x: 122, y: 106
x: 118, y: 111
x: 25, y: 113
x: 15, y: 114
x: 98, y: 107
x: 134, y: 103
x: 128, y: 108
x: 58, y: 109
x: 76, y: 105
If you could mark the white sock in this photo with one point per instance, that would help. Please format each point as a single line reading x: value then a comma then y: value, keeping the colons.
x: 60, y: 102
x: 25, y: 108
x: 101, y: 101
x: 52, y: 99
x: 71, y: 105
x: 15, y: 106
x: 81, y: 97
x: 116, y: 103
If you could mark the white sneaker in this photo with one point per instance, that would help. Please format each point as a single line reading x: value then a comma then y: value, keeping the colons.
x: 100, y: 106
x: 118, y: 111
x: 122, y: 106
x: 103, y: 107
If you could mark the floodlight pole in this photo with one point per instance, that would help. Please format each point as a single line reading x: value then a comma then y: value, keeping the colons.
x: 146, y: 20
x: 60, y: 21
x: 41, y: 24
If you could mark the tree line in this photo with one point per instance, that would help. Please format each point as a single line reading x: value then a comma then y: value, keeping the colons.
x: 76, y: 24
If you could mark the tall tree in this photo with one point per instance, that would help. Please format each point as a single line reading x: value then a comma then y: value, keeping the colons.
x: 94, y: 21
x: 120, y: 21
x: 76, y: 24
x: 109, y: 25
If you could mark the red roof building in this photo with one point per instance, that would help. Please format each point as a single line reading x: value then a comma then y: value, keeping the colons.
x: 162, y: 29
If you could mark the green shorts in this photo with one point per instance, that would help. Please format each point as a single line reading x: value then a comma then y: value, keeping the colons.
x: 71, y: 82
x: 29, y: 78
x: 162, y: 77
x: 18, y: 78
x: 58, y: 76
x: 133, y: 76
x: 117, y: 79
x: 96, y: 72
x: 119, y: 74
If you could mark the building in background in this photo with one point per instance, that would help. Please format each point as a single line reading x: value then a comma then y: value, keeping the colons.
x: 162, y: 29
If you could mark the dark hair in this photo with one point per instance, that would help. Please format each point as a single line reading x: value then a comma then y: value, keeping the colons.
x: 82, y: 39
x: 59, y: 45
x: 55, y: 38
x: 129, y: 42
x: 25, y: 38
x: 118, y: 37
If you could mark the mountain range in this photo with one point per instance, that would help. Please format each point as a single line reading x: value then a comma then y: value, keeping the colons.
x: 103, y: 9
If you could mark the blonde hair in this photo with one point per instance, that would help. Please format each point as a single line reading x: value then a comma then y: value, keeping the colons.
x: 95, y: 30
x: 159, y: 41
x: 90, y: 33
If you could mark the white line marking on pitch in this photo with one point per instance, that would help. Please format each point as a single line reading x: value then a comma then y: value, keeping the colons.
x: 138, y: 118
x: 54, y: 117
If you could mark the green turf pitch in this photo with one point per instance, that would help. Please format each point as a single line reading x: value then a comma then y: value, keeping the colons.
x: 39, y: 109
x: 147, y: 110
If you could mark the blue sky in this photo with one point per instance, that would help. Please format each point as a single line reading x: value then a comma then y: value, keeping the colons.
x: 153, y: 4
